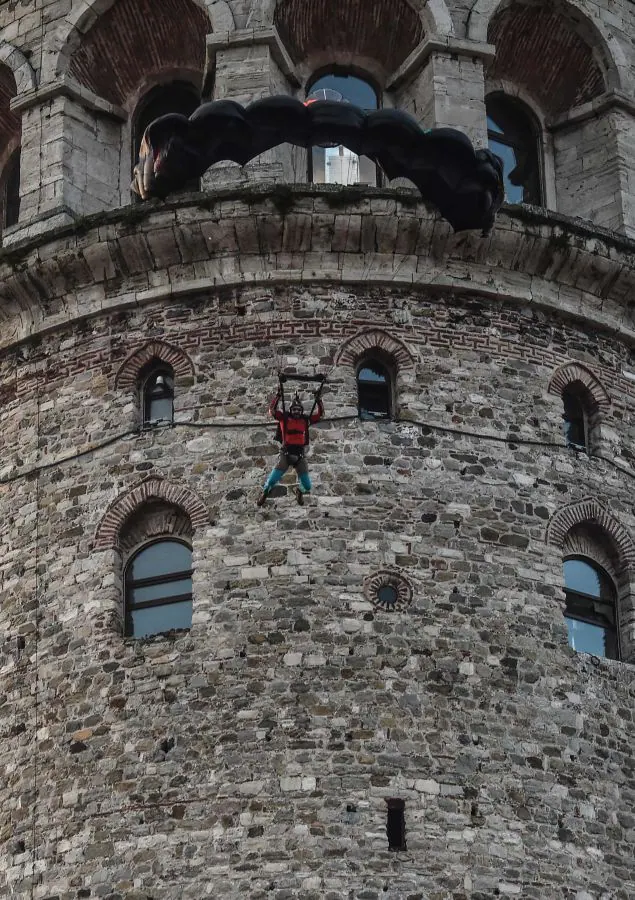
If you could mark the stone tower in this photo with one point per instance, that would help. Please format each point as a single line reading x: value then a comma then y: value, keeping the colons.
x: 381, y: 694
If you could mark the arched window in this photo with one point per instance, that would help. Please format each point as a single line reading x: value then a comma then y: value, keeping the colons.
x: 374, y: 390
x: 174, y: 97
x: 158, y: 589
x: 11, y: 190
x: 158, y: 395
x: 575, y: 419
x: 590, y: 608
x: 334, y: 163
x: 513, y: 134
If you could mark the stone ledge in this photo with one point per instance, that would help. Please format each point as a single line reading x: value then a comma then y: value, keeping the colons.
x: 437, y: 44
x: 285, y: 196
x: 67, y: 87
x: 611, y: 100
x: 307, y: 234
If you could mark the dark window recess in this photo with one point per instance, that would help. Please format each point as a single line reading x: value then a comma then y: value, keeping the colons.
x: 158, y: 396
x: 590, y: 608
x: 334, y: 163
x: 388, y: 595
x: 513, y: 134
x: 374, y: 391
x: 11, y: 191
x: 574, y: 418
x: 159, y: 589
x: 176, y: 97
x: 396, y: 824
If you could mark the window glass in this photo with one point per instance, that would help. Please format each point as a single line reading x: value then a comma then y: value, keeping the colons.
x: 586, y: 637
x: 585, y: 578
x: 335, y: 164
x: 590, y: 608
x: 159, y: 619
x: 172, y: 588
x: 161, y: 559
x: 374, y: 391
x: 159, y: 589
x: 158, y: 396
x: 513, y: 135
x: 574, y: 419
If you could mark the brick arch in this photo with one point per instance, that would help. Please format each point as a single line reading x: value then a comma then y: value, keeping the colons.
x: 591, y: 512
x: 101, y: 49
x: 551, y: 48
x: 365, y: 342
x: 573, y: 373
x: 435, y: 15
x: 10, y: 122
x: 151, y: 490
x: 438, y: 16
x: 385, y: 31
x: 130, y: 370
x: 153, y: 519
x: 21, y: 68
x: 590, y: 541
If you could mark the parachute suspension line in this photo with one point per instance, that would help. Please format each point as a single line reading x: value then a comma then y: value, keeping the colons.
x: 281, y: 381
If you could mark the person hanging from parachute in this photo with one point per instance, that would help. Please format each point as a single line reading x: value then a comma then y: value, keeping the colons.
x: 293, y: 433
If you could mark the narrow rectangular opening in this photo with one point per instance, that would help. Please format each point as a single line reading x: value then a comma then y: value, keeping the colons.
x: 396, y: 824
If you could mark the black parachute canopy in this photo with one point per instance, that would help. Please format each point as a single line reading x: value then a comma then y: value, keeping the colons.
x: 465, y: 185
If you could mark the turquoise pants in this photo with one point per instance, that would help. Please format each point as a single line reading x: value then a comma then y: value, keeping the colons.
x: 286, y: 459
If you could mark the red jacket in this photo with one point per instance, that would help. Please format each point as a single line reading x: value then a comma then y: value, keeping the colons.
x: 295, y: 429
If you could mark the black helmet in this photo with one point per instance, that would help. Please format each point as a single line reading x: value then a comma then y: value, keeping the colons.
x: 296, y: 406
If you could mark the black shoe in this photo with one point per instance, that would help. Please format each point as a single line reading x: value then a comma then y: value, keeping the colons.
x: 299, y: 496
x: 261, y: 499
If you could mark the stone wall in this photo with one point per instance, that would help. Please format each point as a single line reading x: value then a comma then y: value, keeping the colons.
x: 254, y: 755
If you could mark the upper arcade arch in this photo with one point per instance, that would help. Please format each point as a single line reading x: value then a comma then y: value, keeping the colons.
x: 10, y: 122
x: 10, y: 140
x: 22, y: 70
x: 434, y: 14
x: 557, y: 30
x: 376, y: 36
x: 105, y: 57
x: 76, y: 26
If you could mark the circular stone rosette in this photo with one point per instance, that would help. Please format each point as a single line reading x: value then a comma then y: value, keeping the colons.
x: 388, y: 590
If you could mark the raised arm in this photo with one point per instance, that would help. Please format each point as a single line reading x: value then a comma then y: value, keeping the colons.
x: 318, y: 414
x: 273, y: 407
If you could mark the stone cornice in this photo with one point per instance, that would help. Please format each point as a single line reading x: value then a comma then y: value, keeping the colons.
x: 437, y: 44
x: 610, y: 100
x: 67, y: 87
x: 303, y: 234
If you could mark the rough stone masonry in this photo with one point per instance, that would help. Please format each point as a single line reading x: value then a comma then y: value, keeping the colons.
x: 255, y: 754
